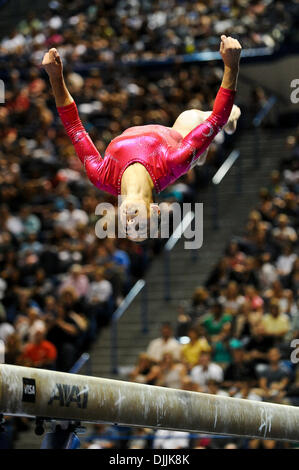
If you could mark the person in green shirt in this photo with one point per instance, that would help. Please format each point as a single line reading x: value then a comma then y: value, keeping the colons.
x: 216, y: 322
x: 217, y: 325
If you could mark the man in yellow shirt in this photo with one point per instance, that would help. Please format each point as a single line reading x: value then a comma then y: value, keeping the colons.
x: 274, y: 323
x: 192, y: 350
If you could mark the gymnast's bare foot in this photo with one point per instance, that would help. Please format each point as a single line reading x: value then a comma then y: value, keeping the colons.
x: 231, y: 126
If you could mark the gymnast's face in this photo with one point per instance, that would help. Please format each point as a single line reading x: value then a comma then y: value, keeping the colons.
x: 135, y: 216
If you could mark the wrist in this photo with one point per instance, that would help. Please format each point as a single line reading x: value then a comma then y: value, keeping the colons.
x: 56, y: 78
x: 233, y: 69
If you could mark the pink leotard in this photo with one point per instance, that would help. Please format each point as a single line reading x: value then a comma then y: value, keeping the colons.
x: 163, y: 151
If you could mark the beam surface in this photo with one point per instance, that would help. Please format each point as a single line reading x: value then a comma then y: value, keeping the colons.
x: 33, y: 392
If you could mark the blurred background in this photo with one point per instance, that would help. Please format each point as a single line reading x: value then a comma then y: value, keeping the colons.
x: 219, y: 319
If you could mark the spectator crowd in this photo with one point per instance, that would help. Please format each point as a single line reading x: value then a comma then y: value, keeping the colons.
x: 128, y: 30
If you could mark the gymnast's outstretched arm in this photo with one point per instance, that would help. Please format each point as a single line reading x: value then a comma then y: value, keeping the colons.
x: 67, y: 109
x: 198, y: 140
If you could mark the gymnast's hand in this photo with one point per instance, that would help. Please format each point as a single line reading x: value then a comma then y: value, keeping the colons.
x: 230, y: 50
x: 52, y: 63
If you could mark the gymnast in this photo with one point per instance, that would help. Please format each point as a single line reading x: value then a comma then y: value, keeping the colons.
x: 150, y: 157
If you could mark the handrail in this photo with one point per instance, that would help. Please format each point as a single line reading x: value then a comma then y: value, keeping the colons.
x: 260, y: 116
x: 178, y: 232
x: 121, y: 309
x: 225, y: 167
x: 257, y: 121
x: 83, y: 359
x: 138, y: 286
x: 218, y: 177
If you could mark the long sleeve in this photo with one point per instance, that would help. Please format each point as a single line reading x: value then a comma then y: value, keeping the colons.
x: 198, y: 140
x: 84, y: 147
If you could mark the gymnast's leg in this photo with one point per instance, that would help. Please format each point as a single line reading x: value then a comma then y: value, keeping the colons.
x: 192, y: 118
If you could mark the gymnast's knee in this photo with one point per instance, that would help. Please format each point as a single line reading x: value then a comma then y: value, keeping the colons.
x: 191, y: 117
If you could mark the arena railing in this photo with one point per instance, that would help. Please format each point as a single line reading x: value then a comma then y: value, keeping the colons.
x: 120, y: 311
x: 84, y: 360
x: 206, y: 56
x: 257, y: 123
x: 168, y: 247
x: 218, y: 177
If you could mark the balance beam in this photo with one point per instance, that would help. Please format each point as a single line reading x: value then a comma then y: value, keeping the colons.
x: 48, y: 394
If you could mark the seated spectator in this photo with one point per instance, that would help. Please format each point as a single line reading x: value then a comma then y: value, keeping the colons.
x: 275, y: 324
x: 6, y: 329
x: 146, y: 371
x: 244, y: 273
x: 13, y: 349
x: 39, y: 352
x: 41, y: 287
x: 267, y: 444
x: 188, y: 384
x: 171, y: 373
x: 98, y: 297
x: 274, y: 380
x: 71, y: 217
x: 77, y: 280
x: 289, y: 304
x: 291, y: 395
x: 102, y: 436
x: 235, y: 255
x: 240, y: 370
x: 267, y: 272
x: 246, y: 392
x: 221, y: 352
x: 284, y: 232
x: 192, y: 350
x: 294, y: 277
x: 246, y: 320
x: 100, y: 290
x: 252, y: 296
x: 285, y: 261
x: 230, y: 445
x: 294, y: 325
x: 166, y: 343
x: 258, y: 345
x: 166, y: 439
x: 231, y: 298
x: 199, y: 302
x: 25, y: 324
x: 217, y: 323
x: 215, y: 388
x: 206, y: 370
x: 220, y: 276
x: 64, y: 333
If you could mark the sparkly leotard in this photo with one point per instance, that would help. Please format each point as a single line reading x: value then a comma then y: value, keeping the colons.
x: 163, y: 151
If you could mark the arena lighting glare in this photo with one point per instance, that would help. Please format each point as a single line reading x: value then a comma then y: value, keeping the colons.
x: 48, y: 394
